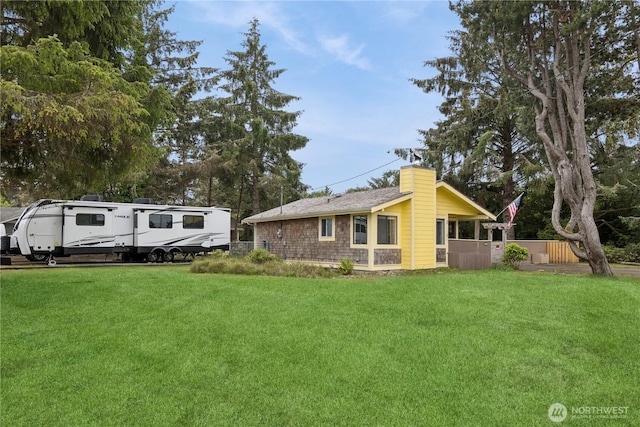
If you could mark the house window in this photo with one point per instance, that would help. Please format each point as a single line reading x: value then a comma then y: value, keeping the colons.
x: 440, y: 232
x: 326, y: 228
x: 160, y: 221
x: 359, y: 230
x: 193, y: 221
x: 387, y: 230
x: 90, y: 219
x: 453, y: 225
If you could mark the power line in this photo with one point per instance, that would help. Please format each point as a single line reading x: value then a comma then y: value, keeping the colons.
x: 513, y: 102
x: 357, y: 176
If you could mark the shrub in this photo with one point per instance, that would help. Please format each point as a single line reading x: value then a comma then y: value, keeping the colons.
x: 630, y: 253
x: 219, y: 253
x: 244, y: 266
x: 514, y: 254
x: 346, y: 266
x: 261, y: 256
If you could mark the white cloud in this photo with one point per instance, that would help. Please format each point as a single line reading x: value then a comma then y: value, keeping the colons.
x: 272, y: 17
x: 403, y: 13
x: 341, y: 48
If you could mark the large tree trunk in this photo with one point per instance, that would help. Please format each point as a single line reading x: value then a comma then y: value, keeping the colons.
x: 508, y: 166
x: 560, y: 124
x: 574, y: 183
x: 255, y: 195
x: 594, y: 253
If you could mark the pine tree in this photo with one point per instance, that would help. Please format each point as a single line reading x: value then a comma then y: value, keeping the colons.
x: 254, y: 139
x: 483, y: 146
x: 573, y: 59
x: 175, y: 82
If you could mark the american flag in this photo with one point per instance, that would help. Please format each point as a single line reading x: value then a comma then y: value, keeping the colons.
x: 512, y: 209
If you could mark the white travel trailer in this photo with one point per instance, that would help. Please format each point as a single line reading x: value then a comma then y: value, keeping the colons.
x: 137, y: 231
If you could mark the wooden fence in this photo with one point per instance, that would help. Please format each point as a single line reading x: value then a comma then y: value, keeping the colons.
x: 560, y: 253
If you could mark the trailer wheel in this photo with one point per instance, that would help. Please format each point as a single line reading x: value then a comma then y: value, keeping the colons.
x: 168, y: 256
x: 153, y: 257
x: 37, y: 257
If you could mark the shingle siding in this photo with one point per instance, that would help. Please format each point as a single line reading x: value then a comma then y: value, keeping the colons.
x: 300, y: 242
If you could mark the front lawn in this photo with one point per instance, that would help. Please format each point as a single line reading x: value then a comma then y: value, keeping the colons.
x: 163, y: 346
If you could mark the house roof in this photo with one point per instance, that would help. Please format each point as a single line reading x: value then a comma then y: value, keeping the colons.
x: 361, y: 201
x: 10, y: 214
x: 357, y: 202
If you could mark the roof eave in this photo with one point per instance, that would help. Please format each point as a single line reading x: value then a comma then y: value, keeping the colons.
x: 299, y: 216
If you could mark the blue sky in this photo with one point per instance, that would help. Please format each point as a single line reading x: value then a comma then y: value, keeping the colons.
x: 349, y: 62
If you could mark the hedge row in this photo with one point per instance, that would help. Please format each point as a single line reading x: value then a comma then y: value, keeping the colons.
x: 630, y: 253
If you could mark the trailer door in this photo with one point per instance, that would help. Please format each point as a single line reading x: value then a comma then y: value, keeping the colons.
x: 143, y: 230
x: 87, y: 228
x: 154, y: 228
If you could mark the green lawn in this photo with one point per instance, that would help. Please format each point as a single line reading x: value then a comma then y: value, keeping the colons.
x: 154, y: 346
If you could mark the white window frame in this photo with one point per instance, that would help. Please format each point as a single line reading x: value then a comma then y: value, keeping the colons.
x: 353, y: 231
x: 441, y: 231
x: 332, y: 237
x: 397, y: 230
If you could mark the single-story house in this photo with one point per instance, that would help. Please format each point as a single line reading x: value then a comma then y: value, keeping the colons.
x: 9, y: 216
x: 405, y: 227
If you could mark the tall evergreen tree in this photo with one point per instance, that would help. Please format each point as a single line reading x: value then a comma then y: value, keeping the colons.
x: 106, y: 27
x: 253, y: 144
x: 145, y: 64
x: 550, y: 48
x: 74, y: 116
x: 483, y: 145
x: 69, y: 122
x: 176, y: 82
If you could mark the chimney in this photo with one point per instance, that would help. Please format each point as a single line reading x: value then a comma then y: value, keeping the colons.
x: 414, y: 177
x: 419, y: 251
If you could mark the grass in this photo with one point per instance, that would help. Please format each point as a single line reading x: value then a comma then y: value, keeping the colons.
x: 163, y: 346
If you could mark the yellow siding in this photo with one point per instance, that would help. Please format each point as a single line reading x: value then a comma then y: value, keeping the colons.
x: 419, y: 218
x: 396, y: 209
x: 449, y: 204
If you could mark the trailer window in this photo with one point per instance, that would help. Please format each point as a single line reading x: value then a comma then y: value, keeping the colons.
x: 160, y: 221
x: 193, y: 221
x: 90, y: 219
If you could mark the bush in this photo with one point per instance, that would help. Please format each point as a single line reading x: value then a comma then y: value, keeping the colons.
x: 219, y: 253
x: 346, y: 266
x: 246, y: 266
x: 261, y: 256
x: 514, y: 254
x: 630, y: 253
